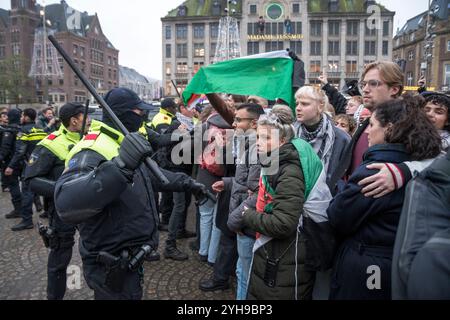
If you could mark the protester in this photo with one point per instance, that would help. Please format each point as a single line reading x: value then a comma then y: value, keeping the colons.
x: 278, y: 267
x: 244, y: 188
x: 47, y: 121
x: 437, y: 109
x: 345, y: 123
x: 399, y: 131
x: 317, y: 128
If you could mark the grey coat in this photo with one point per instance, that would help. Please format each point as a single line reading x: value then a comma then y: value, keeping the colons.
x: 246, y: 179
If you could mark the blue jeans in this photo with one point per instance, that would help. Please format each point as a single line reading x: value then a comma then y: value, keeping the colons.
x: 245, y: 252
x: 209, y: 234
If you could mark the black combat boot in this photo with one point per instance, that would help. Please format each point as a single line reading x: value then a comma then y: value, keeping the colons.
x: 13, y: 215
x: 172, y: 252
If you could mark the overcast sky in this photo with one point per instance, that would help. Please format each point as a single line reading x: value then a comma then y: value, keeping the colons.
x: 134, y: 26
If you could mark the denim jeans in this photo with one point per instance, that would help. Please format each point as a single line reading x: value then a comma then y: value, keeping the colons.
x: 245, y: 252
x: 179, y: 203
x: 209, y: 234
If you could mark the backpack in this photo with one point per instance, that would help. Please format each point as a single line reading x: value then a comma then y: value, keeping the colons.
x: 421, y: 259
x: 211, y: 159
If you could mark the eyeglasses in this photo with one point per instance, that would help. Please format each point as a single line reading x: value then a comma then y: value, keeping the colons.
x: 239, y: 120
x: 373, y: 84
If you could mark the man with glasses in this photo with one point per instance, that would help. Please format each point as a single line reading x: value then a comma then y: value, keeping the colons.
x: 381, y: 81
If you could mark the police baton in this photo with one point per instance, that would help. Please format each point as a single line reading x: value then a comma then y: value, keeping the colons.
x: 83, y: 126
x: 149, y: 162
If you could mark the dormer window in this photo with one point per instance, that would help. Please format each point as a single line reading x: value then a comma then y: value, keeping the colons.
x: 182, y: 11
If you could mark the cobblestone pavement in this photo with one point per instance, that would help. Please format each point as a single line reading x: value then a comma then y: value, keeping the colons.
x: 23, y: 261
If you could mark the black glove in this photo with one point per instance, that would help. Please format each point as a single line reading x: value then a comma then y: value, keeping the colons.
x: 134, y: 149
x: 201, y: 194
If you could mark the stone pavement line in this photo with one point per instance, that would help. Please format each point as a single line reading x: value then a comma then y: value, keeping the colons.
x: 23, y: 263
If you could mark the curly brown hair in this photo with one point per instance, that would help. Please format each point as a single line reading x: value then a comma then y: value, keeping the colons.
x: 410, y: 126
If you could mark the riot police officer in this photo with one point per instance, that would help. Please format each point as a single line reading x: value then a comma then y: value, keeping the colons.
x: 49, y: 161
x: 7, y: 150
x: 27, y: 139
x: 108, y: 191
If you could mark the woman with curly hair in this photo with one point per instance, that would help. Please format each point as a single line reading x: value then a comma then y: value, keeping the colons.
x: 437, y: 109
x: 399, y: 131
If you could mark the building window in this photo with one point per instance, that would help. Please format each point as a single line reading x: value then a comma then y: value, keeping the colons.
x: 199, y: 31
x: 61, y: 82
x: 75, y: 49
x: 274, y: 46
x: 168, y: 68
x: 182, y: 50
x: 352, y: 48
x: 296, y: 8
x: 385, y: 48
x: 316, y: 48
x: 197, y: 66
x: 296, y: 46
x: 334, y: 28
x: 182, y: 67
x: 448, y: 45
x: 82, y: 52
x: 168, y: 32
x: 252, y: 29
x: 252, y: 48
x: 214, y: 30
x: 168, y: 90
x: 409, y: 79
x: 315, y: 66
x: 412, y: 36
x: 199, y: 49
x: 316, y: 28
x: 371, y: 31
x: 333, y: 66
x: 369, y: 48
x: 352, y: 28
x: 181, y: 31
x: 168, y: 51
x: 212, y: 52
x: 351, y: 67
x: 333, y: 48
x: 2, y: 52
x: 253, y: 9
x: 385, y: 28
x: 333, y: 5
x: 411, y: 55
x: 447, y: 74
x: 16, y: 49
x: 297, y: 28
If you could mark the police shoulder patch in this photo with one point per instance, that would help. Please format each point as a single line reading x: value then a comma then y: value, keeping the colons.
x: 33, y: 158
x: 72, y: 163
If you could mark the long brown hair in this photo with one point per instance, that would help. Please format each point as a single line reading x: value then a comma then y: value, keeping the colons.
x: 410, y: 126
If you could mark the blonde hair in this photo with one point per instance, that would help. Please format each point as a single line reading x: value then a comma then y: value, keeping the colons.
x: 390, y: 73
x: 317, y: 94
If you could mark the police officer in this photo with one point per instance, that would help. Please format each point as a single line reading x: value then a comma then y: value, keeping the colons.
x: 27, y: 140
x: 49, y: 162
x: 165, y: 121
x: 7, y: 149
x: 108, y: 191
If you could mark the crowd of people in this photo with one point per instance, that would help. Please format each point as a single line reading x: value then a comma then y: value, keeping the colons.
x: 307, y: 201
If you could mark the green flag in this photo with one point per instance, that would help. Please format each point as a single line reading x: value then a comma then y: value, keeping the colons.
x: 268, y: 75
